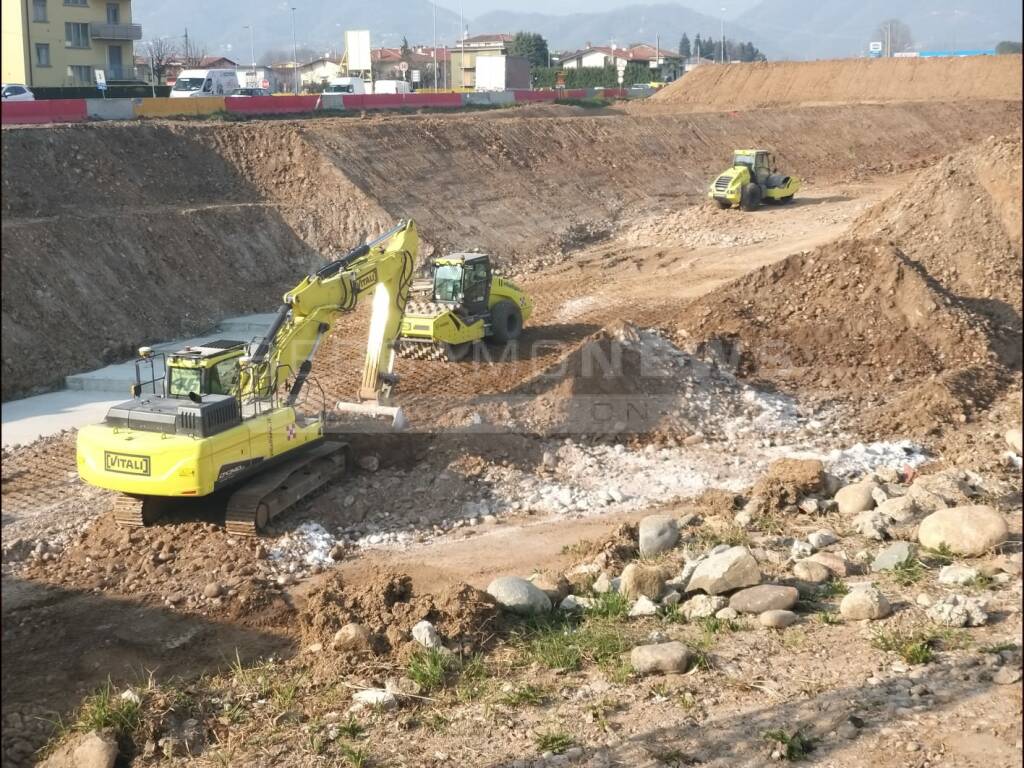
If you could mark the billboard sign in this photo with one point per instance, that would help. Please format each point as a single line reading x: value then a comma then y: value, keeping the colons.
x: 357, y: 50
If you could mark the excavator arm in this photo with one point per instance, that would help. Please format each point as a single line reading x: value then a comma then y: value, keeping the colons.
x: 382, y: 268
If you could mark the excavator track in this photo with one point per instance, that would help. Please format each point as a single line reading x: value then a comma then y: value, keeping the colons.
x: 135, y: 511
x: 262, y: 499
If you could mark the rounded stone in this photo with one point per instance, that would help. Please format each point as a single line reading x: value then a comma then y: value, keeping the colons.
x: 811, y: 572
x: 518, y: 595
x: 766, y: 597
x: 970, y: 530
x: 777, y: 619
x: 864, y: 602
x: 732, y: 568
x: 351, y: 637
x: 645, y: 580
x: 660, y: 657
x: 856, y: 498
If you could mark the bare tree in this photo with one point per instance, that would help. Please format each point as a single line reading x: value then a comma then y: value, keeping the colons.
x: 192, y: 54
x: 160, y: 53
x: 895, y: 35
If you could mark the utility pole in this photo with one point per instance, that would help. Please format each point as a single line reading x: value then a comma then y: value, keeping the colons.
x: 462, y: 55
x: 295, y: 59
x: 433, y: 14
x: 188, y: 54
x: 657, y: 55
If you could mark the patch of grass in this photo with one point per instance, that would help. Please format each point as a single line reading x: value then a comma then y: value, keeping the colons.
x: 610, y: 605
x: 106, y: 709
x: 561, y: 643
x: 553, y: 741
x: 828, y: 617
x: 430, y: 669
x: 771, y: 524
x: 591, y: 102
x: 351, y: 729
x: 599, y: 710
x: 793, y: 746
x: 435, y: 721
x: 674, y: 758
x: 834, y: 587
x: 474, y: 679
x: 941, y: 555
x: 354, y: 757
x: 671, y: 614
x: 250, y: 680
x: 909, y: 572
x: 981, y: 582
x: 705, y: 539
x: 713, y: 625
x: 580, y: 548
x: 914, y: 647
x: 283, y: 694
x: 524, y: 695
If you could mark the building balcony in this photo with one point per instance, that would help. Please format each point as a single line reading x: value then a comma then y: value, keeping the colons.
x: 99, y: 31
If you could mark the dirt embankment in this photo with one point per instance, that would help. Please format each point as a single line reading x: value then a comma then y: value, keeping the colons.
x: 916, y: 317
x: 173, y: 226
x: 792, y: 83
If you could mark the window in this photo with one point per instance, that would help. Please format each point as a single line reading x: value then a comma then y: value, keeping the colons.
x: 113, y: 13
x: 81, y: 74
x: 76, y: 2
x: 38, y: 10
x: 13, y: 90
x: 42, y: 54
x: 224, y: 377
x: 183, y: 381
x: 76, y: 35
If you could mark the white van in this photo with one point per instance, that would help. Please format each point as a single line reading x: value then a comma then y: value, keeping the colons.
x: 391, y: 86
x: 204, y: 82
x: 346, y: 85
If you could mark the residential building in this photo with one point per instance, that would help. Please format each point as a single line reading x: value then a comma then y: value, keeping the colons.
x: 465, y: 52
x: 387, y: 64
x: 318, y: 72
x: 53, y: 43
x: 670, y: 63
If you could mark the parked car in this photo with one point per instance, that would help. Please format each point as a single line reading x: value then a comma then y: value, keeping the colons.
x: 249, y: 92
x: 204, y: 82
x: 17, y: 92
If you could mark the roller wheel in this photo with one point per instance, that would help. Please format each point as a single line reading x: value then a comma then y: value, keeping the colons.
x: 506, y: 321
x: 751, y: 197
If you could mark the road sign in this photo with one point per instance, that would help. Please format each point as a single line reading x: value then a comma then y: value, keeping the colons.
x: 415, y: 75
x: 266, y: 84
x: 403, y: 67
x: 101, y: 79
x: 875, y: 47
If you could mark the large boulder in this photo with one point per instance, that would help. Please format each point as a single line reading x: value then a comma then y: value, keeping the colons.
x: 893, y: 556
x: 766, y: 597
x: 864, y: 601
x: 734, y: 568
x: 1013, y: 439
x: 811, y: 572
x: 660, y: 657
x: 702, y: 606
x: 638, y: 579
x: 518, y: 595
x: 658, y: 533
x: 554, y: 584
x: 943, y: 489
x: 856, y: 497
x: 970, y: 530
x: 836, y: 563
x: 95, y: 749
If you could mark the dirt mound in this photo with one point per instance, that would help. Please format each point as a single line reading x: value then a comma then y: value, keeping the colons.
x: 389, y: 609
x: 764, y: 84
x: 860, y: 320
x: 960, y: 220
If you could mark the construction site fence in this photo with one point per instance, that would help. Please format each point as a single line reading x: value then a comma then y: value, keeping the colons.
x: 80, y: 110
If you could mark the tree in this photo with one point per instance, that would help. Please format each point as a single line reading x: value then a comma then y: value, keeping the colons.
x: 406, y: 51
x: 192, y: 53
x: 531, y: 46
x: 698, y: 46
x: 159, y: 52
x: 684, y: 46
x: 1008, y: 46
x: 897, y: 34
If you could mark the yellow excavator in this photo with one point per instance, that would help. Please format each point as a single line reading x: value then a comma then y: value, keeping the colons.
x: 223, y: 416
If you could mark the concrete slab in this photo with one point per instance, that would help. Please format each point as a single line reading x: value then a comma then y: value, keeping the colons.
x: 25, y: 421
x: 119, y: 377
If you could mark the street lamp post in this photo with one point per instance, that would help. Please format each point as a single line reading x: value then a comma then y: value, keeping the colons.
x: 433, y: 18
x: 252, y: 51
x: 295, y: 61
x: 723, y: 36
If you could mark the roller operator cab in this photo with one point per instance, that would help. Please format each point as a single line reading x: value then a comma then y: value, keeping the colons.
x: 186, y: 436
x: 751, y: 180
x: 464, y: 304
